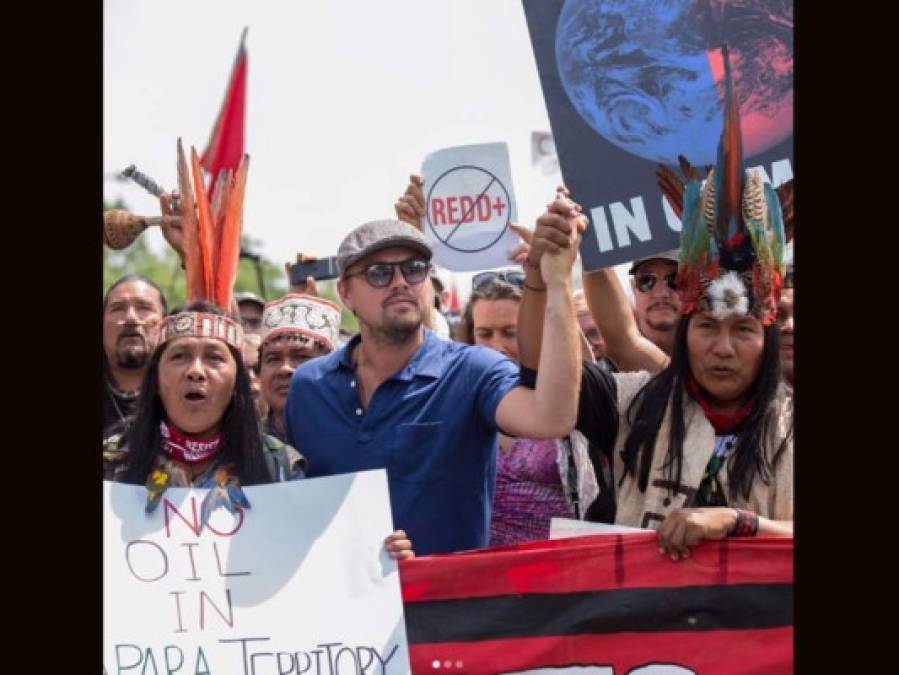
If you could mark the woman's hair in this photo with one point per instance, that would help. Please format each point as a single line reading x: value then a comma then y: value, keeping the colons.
x: 241, y: 438
x: 749, y: 459
x: 496, y: 290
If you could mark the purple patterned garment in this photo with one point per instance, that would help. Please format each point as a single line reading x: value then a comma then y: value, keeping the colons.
x: 528, y: 492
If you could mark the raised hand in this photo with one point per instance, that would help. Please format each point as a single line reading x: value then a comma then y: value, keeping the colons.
x: 410, y: 207
x: 171, y: 229
x: 309, y: 285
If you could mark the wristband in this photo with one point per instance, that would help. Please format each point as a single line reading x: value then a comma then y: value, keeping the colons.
x: 531, y: 288
x: 747, y: 524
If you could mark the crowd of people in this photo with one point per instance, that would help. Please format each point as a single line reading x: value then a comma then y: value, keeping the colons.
x: 673, y: 413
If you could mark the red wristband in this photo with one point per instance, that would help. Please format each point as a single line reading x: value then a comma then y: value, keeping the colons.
x: 747, y: 524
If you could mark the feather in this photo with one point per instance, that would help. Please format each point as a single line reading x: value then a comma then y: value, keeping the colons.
x: 219, y: 197
x: 688, y: 171
x: 785, y: 197
x: 229, y: 252
x: 215, y: 498
x: 204, y: 226
x: 672, y: 188
x: 237, y: 496
x: 157, y: 483
x: 729, y: 174
x: 193, y: 271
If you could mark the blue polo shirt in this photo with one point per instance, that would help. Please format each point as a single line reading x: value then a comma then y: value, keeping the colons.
x: 432, y: 425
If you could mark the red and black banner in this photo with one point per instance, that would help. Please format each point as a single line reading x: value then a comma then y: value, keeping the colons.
x: 606, y: 604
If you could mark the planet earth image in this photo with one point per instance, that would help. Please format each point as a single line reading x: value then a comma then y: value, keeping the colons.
x: 647, y: 75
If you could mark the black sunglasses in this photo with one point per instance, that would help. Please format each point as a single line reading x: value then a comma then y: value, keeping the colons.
x: 380, y: 274
x: 647, y: 280
x: 482, y: 280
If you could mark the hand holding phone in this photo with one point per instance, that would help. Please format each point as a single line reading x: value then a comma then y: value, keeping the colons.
x: 326, y: 268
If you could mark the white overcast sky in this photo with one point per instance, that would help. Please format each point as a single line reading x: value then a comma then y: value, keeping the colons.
x: 345, y: 98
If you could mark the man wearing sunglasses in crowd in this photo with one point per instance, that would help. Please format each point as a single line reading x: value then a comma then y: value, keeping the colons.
x: 656, y: 302
x: 427, y: 410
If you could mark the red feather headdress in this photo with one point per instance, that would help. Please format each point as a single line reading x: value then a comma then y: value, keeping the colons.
x: 733, y: 229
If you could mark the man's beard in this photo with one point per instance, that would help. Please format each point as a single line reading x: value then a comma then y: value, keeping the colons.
x: 396, y: 331
x: 132, y: 356
x: 665, y: 324
x: 661, y: 326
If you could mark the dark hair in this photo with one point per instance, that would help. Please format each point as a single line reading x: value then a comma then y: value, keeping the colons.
x: 242, y: 441
x: 497, y: 290
x: 136, y: 277
x: 749, y: 459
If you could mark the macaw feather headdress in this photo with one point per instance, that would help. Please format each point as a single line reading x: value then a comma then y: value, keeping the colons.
x: 211, y: 242
x: 733, y: 228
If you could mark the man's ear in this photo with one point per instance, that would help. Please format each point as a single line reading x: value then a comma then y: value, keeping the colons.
x: 343, y: 291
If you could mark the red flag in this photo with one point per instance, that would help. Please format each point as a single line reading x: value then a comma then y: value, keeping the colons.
x: 455, y: 305
x: 606, y: 604
x: 225, y: 147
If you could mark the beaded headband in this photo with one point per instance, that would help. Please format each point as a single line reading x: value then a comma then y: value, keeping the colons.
x: 201, y: 324
x: 307, y: 315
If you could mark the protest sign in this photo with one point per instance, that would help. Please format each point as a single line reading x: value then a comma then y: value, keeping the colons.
x: 606, y: 604
x: 469, y: 203
x: 561, y: 528
x: 631, y: 84
x: 298, y: 583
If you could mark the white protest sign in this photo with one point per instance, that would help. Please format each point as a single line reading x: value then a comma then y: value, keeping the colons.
x: 469, y: 204
x: 298, y: 583
x: 563, y: 528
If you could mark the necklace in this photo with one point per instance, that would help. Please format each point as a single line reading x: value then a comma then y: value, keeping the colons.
x: 115, y: 393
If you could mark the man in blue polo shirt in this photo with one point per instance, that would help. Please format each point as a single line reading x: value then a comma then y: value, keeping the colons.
x: 427, y: 410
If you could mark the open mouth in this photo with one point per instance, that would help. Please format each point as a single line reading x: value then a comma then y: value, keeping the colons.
x: 195, y: 396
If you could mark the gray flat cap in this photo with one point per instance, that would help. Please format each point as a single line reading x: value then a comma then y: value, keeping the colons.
x: 664, y: 255
x: 376, y: 236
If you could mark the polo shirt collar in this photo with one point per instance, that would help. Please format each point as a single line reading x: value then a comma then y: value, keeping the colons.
x: 425, y: 362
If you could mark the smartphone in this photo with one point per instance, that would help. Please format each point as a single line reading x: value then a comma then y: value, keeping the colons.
x: 325, y: 268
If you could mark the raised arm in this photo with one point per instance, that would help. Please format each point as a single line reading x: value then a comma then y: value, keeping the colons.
x: 550, y: 410
x: 605, y: 297
x: 612, y: 313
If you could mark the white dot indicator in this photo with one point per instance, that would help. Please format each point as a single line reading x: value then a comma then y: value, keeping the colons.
x: 447, y: 664
x: 435, y: 664
x: 459, y: 665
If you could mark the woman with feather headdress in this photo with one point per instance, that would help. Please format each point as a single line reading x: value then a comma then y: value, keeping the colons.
x: 703, y: 440
x: 196, y: 423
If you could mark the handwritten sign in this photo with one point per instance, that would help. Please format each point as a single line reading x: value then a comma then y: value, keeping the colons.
x: 469, y: 205
x: 298, y: 583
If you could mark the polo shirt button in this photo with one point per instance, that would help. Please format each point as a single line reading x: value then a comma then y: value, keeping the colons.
x: 666, y: 501
x: 358, y: 411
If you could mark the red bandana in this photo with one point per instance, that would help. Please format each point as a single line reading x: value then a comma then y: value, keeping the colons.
x: 723, y: 423
x: 188, y: 450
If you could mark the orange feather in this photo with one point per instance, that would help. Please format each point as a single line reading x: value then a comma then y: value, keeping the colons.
x: 229, y: 253
x: 193, y: 270
x: 204, y: 226
x: 219, y: 197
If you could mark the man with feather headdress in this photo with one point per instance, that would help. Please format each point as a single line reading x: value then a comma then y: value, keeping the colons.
x: 702, y: 448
